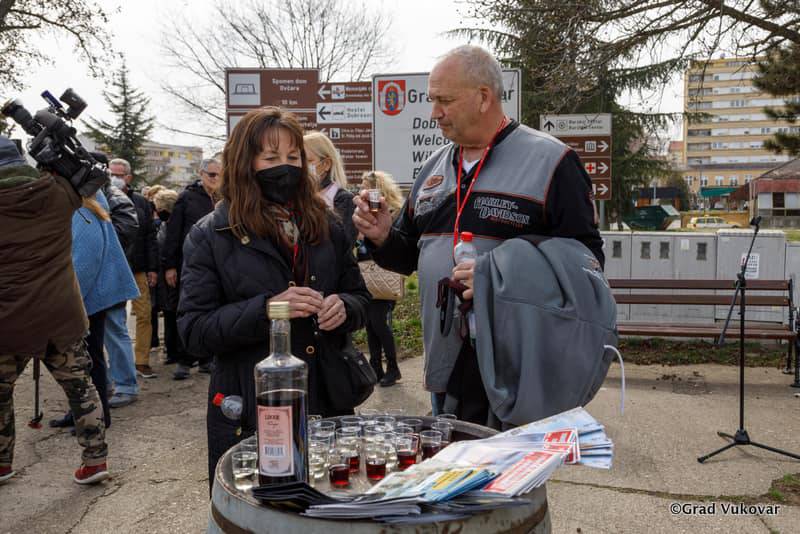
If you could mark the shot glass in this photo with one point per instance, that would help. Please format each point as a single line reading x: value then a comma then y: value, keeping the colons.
x: 324, y: 429
x: 339, y: 468
x: 368, y: 413
x: 375, y: 433
x: 446, y: 417
x: 390, y: 453
x: 244, y: 466
x: 413, y: 422
x: 395, y: 412
x: 249, y: 444
x: 374, y: 196
x: 386, y: 420
x: 406, y: 447
x: 352, y: 422
x: 375, y: 461
x: 446, y: 429
x: 431, y: 441
x: 349, y: 442
x: 318, y: 450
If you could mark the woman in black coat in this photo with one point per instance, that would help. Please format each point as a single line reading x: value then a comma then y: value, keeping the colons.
x: 270, y: 239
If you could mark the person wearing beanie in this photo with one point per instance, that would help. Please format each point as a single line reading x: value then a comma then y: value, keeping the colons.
x: 41, y: 310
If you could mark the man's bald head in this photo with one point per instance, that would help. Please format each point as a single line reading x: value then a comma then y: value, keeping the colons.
x: 476, y: 67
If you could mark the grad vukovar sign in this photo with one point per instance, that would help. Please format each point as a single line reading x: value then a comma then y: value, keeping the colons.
x: 404, y: 135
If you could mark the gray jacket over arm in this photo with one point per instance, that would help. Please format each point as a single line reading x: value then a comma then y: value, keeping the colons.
x: 544, y: 312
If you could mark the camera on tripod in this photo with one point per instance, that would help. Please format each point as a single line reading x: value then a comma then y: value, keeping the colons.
x: 55, y: 146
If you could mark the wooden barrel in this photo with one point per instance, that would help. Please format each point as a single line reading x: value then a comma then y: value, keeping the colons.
x: 234, y: 512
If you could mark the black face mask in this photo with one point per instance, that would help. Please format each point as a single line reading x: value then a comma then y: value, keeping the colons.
x: 279, y: 184
x: 163, y: 215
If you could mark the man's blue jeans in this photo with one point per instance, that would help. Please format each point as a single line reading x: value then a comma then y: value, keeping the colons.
x: 121, y: 366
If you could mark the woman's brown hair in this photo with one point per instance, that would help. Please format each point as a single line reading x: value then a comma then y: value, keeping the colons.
x: 248, y: 210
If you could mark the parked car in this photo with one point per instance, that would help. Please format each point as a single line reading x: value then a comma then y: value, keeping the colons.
x: 710, y: 222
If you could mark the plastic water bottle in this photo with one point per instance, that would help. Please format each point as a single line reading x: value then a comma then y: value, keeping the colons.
x: 231, y: 405
x: 464, y: 252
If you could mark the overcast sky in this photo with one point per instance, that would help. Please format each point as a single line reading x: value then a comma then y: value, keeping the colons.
x: 137, y: 28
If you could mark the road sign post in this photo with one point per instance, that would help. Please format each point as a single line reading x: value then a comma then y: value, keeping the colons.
x: 589, y: 136
x: 342, y: 111
x: 344, y: 114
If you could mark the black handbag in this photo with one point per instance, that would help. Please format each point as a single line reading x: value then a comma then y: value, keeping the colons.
x: 348, y: 376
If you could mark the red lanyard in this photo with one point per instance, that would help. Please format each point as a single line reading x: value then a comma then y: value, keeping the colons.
x: 460, y: 205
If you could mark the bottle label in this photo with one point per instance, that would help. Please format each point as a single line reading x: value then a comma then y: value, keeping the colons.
x: 275, y: 456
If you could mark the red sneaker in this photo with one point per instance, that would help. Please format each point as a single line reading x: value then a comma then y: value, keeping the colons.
x: 6, y: 473
x: 91, y: 475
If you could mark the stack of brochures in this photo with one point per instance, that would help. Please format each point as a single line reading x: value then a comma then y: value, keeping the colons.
x: 595, y: 449
x: 468, y: 477
x: 366, y: 508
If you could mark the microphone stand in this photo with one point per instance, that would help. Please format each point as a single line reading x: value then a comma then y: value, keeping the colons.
x: 741, y: 437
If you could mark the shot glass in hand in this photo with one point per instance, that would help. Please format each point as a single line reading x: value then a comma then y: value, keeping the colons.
x: 374, y: 196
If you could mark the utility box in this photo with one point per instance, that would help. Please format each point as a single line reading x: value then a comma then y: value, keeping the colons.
x: 767, y: 262
x: 617, y: 249
x: 652, y: 258
x: 695, y: 258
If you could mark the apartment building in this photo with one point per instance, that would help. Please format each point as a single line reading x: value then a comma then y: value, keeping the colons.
x: 171, y: 165
x: 725, y: 149
x: 178, y: 164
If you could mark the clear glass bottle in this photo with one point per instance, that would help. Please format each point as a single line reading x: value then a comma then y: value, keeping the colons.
x: 282, y: 411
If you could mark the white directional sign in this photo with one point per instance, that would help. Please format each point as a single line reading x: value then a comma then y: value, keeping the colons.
x: 566, y: 125
x: 345, y: 92
x: 404, y: 135
x: 350, y: 112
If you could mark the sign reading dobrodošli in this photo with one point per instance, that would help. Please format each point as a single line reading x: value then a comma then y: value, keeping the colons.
x: 404, y: 135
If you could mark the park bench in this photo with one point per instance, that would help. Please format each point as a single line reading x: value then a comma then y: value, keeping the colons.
x: 710, y: 293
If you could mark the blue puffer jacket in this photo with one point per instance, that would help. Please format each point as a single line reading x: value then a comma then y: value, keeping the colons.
x: 99, y: 261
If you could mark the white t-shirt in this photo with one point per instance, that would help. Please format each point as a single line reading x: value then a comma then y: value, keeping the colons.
x: 469, y: 164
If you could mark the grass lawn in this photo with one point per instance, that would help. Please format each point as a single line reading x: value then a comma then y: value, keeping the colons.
x: 671, y: 352
x: 406, y: 324
x: 407, y: 327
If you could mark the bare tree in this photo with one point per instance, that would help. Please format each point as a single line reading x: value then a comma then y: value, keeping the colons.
x: 651, y: 38
x: 82, y: 21
x: 344, y: 40
x: 584, y: 56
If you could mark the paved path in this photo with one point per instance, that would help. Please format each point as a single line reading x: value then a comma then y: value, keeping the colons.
x: 158, y: 456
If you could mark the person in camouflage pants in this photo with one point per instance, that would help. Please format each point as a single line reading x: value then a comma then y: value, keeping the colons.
x: 71, y: 370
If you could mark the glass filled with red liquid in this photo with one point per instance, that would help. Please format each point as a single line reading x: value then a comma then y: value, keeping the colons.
x: 339, y: 468
x: 375, y: 461
x: 431, y: 441
x: 406, y: 446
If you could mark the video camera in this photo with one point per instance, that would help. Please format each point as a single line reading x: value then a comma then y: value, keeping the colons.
x: 55, y: 146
